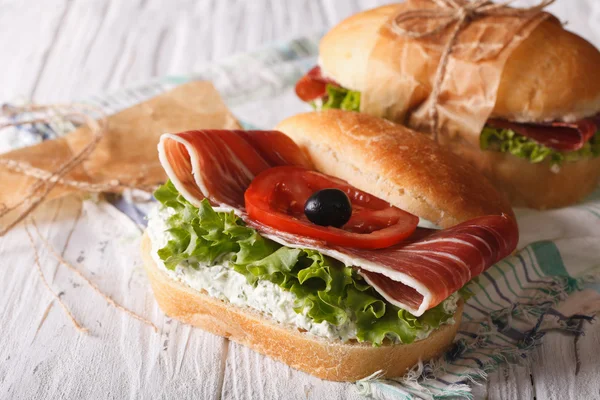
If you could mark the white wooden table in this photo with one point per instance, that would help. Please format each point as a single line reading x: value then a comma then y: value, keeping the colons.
x: 58, y: 50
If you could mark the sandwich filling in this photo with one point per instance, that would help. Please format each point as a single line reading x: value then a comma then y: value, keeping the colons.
x: 556, y: 142
x: 214, y: 251
x: 240, y: 200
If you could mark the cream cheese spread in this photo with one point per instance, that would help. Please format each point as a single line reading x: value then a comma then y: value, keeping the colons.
x: 222, y: 282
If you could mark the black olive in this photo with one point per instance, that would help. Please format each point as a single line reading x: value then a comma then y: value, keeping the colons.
x: 328, y: 207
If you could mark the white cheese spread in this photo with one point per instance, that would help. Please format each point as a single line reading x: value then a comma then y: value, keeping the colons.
x: 222, y: 282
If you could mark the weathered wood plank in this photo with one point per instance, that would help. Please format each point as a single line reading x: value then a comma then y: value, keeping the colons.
x: 104, y: 45
x: 27, y: 37
x: 250, y: 375
x: 43, y: 356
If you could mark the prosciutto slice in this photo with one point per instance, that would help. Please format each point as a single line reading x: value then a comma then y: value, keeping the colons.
x: 439, y: 264
x: 313, y: 85
x: 416, y: 275
x: 561, y: 136
x: 220, y: 164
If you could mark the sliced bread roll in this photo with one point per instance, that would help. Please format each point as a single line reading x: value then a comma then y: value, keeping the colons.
x: 395, y: 163
x: 323, y: 358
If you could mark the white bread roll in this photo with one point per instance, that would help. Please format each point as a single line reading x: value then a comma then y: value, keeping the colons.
x: 396, y: 164
x: 533, y: 185
x: 325, y: 359
x: 551, y: 75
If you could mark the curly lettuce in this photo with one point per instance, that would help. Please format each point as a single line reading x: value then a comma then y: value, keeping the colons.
x: 508, y: 141
x: 340, y: 98
x: 325, y: 289
x: 496, y: 139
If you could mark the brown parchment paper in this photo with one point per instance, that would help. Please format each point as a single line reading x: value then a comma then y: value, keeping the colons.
x: 401, y: 72
x: 127, y: 151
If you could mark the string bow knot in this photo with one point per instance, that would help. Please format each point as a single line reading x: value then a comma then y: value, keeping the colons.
x: 457, y: 13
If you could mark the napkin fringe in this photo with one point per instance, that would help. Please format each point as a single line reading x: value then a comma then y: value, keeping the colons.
x: 501, y: 338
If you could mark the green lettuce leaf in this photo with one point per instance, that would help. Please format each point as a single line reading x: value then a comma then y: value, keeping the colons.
x: 325, y: 289
x: 497, y: 139
x: 340, y: 98
x: 508, y: 141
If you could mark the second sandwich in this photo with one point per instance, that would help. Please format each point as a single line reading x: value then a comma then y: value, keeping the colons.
x: 526, y: 115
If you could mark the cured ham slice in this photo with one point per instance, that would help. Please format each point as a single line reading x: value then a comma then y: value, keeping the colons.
x: 423, y: 271
x: 561, y: 136
x: 438, y: 265
x: 557, y: 135
x: 220, y: 164
x: 416, y: 274
x: 313, y: 85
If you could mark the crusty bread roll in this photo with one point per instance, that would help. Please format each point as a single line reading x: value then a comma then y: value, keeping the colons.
x: 533, y: 185
x: 336, y: 361
x: 551, y: 75
x: 395, y: 163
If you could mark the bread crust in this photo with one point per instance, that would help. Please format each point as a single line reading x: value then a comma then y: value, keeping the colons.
x: 551, y: 75
x: 336, y: 361
x: 533, y: 185
x: 395, y: 163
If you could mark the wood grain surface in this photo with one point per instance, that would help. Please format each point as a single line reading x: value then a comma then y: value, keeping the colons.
x: 61, y: 50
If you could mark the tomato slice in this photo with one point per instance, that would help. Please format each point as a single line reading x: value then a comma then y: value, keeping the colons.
x: 276, y: 198
x: 313, y: 85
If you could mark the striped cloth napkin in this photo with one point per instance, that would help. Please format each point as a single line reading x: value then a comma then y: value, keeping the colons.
x: 514, y: 303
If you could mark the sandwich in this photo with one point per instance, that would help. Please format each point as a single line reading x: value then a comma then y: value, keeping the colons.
x: 530, y: 122
x: 333, y: 244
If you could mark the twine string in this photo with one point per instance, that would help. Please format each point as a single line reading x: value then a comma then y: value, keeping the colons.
x: 457, y: 13
x: 76, y: 271
x: 38, y: 173
x: 38, y: 266
x: 46, y: 180
x: 40, y: 190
